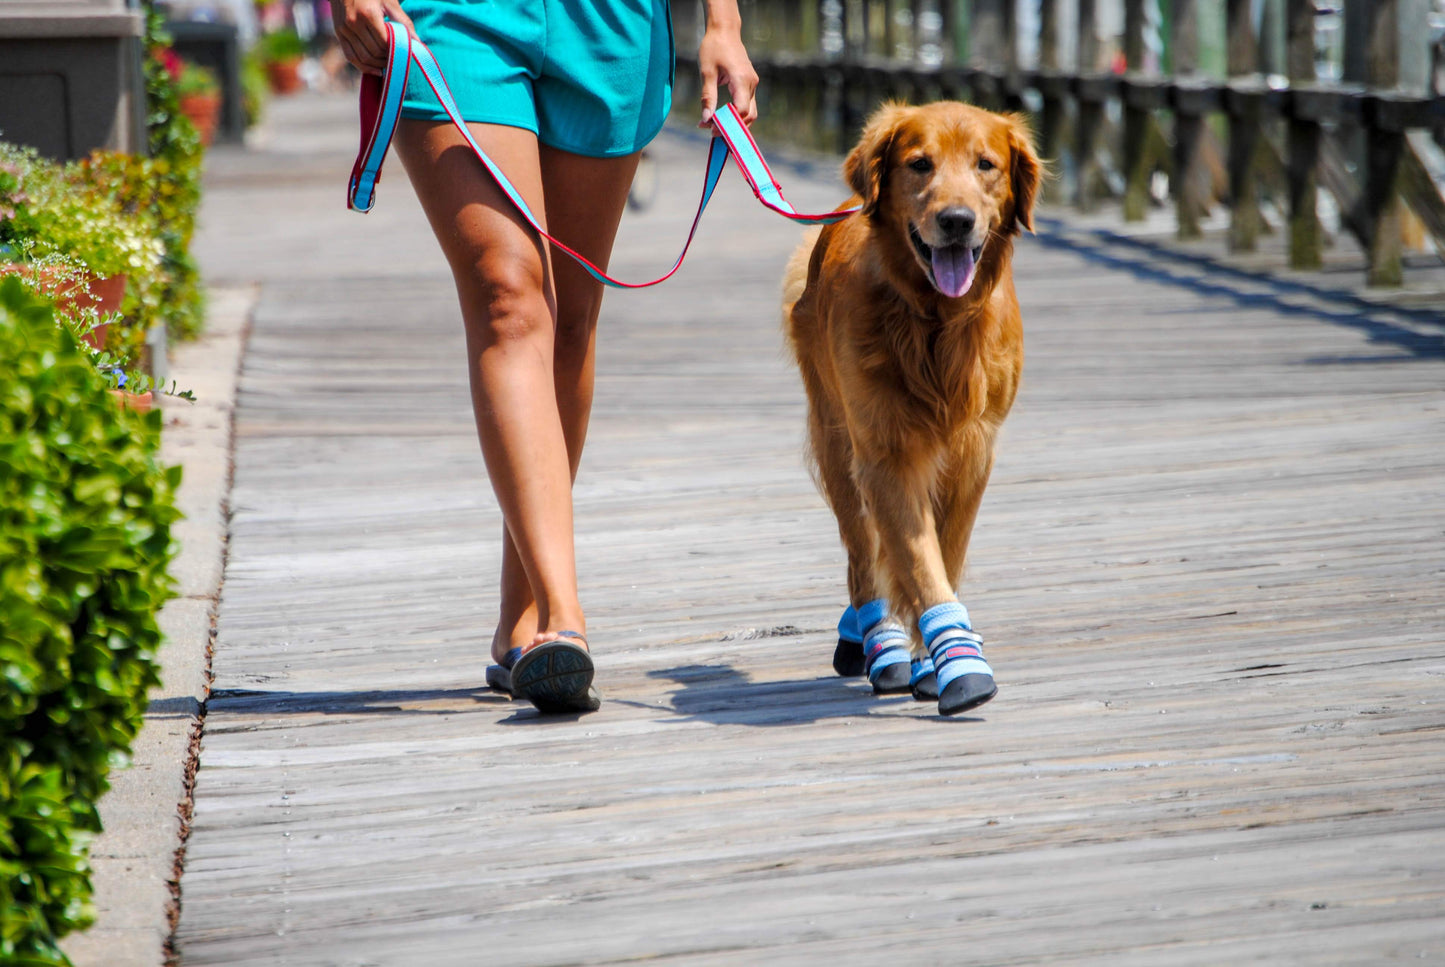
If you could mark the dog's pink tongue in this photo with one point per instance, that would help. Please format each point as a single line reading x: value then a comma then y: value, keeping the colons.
x: 953, y: 269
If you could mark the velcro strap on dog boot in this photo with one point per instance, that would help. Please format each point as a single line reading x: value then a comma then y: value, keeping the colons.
x: 964, y: 677
x: 886, y: 657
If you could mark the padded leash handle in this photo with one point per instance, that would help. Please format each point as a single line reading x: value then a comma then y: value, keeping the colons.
x: 381, y: 99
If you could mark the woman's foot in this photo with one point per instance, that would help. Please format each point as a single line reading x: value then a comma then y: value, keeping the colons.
x: 555, y: 674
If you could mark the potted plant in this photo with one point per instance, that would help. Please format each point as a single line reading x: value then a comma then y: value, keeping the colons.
x: 54, y: 213
x: 282, y: 51
x: 87, y: 304
x: 200, y: 99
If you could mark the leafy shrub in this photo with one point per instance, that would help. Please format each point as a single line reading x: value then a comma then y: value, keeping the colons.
x: 255, y: 88
x: 281, y: 45
x: 168, y: 183
x: 57, y: 209
x: 85, y: 515
x: 67, y: 284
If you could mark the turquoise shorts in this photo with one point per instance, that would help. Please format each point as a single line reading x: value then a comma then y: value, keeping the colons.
x: 592, y: 77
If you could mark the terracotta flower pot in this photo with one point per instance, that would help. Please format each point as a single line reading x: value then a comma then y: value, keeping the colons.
x: 204, y: 110
x: 138, y: 402
x: 284, y: 75
x: 106, y: 295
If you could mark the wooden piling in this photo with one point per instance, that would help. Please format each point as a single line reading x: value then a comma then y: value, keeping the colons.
x: 1191, y: 176
x: 1306, y: 235
x: 1244, y: 126
x: 1136, y: 120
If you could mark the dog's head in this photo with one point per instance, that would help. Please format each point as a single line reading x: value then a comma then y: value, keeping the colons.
x: 945, y: 180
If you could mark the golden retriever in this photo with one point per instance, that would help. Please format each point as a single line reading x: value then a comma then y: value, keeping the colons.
x: 905, y: 326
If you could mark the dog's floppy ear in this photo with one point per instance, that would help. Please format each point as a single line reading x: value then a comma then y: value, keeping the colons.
x: 1025, y: 171
x: 866, y: 166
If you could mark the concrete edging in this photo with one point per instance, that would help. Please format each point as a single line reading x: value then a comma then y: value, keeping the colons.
x: 136, y: 860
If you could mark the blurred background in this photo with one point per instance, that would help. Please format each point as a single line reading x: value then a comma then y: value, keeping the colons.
x: 1317, y: 119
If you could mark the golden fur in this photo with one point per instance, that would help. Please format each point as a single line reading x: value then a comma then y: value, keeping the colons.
x: 906, y: 386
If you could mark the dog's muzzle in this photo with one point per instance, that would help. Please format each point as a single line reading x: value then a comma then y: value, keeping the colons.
x: 951, y: 268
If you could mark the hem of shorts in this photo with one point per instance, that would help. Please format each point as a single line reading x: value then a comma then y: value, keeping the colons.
x: 589, y: 152
x: 424, y: 114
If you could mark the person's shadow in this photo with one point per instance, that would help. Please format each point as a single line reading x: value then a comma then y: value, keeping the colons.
x: 380, y: 702
x: 720, y: 694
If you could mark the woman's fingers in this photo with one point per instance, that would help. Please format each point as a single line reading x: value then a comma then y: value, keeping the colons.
x: 369, y: 35
x: 743, y: 86
x: 722, y: 59
x: 361, y: 31
x: 394, y: 11
x: 709, y: 94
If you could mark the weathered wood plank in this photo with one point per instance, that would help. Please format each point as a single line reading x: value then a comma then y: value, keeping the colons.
x: 1208, y: 568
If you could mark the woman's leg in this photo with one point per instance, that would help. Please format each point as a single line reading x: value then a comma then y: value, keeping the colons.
x: 585, y: 198
x: 505, y: 288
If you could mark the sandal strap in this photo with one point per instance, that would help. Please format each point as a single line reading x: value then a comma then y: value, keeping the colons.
x: 574, y: 635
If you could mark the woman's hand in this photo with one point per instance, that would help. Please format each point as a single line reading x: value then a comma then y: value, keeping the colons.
x: 359, y: 28
x: 722, y: 59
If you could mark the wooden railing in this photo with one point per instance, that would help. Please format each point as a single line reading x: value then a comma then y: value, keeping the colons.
x: 1273, y: 125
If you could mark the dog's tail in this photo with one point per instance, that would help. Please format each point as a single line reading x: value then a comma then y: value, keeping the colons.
x: 795, y: 277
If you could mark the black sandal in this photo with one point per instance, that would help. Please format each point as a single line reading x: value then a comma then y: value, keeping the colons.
x: 499, y: 676
x: 556, y: 676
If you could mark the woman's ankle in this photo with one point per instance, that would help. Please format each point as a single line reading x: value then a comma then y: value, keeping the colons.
x: 514, y: 632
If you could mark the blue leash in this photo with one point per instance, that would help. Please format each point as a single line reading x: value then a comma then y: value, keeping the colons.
x: 381, y: 99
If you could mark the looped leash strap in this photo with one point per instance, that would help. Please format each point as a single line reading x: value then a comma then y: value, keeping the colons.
x: 381, y: 99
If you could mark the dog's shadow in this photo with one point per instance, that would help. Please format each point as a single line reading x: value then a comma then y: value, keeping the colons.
x: 724, y: 695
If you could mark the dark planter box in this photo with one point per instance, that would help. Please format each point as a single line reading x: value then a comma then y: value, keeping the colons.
x: 70, y: 76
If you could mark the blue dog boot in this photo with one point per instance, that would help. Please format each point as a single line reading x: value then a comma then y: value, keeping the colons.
x: 848, y: 656
x: 886, y: 659
x: 965, y: 680
x: 922, y: 680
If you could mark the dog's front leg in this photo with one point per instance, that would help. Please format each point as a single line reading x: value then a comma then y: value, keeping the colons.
x: 887, y: 609
x: 910, y: 559
x: 901, y: 507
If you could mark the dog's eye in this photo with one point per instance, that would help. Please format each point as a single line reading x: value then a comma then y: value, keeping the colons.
x: 986, y: 165
x: 921, y: 165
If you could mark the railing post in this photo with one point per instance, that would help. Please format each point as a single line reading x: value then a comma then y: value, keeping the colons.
x: 985, y: 45
x: 1192, y: 188
x: 1136, y: 118
x: 1306, y: 235
x: 1009, y: 94
x: 1379, y: 48
x: 956, y: 29
x: 1052, y: 116
x: 1088, y: 131
x: 1244, y: 126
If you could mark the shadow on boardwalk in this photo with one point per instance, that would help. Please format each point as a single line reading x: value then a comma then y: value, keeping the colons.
x: 720, y: 694
x: 1208, y: 569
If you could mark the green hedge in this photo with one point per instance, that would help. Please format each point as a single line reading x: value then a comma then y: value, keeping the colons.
x: 85, y: 515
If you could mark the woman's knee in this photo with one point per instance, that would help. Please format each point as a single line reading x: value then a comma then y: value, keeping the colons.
x: 577, y: 309
x: 507, y: 298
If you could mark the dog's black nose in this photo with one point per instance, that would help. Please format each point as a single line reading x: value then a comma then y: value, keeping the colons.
x: 956, y: 223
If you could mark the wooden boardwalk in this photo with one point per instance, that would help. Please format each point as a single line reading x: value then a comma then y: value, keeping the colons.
x: 1209, y: 569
